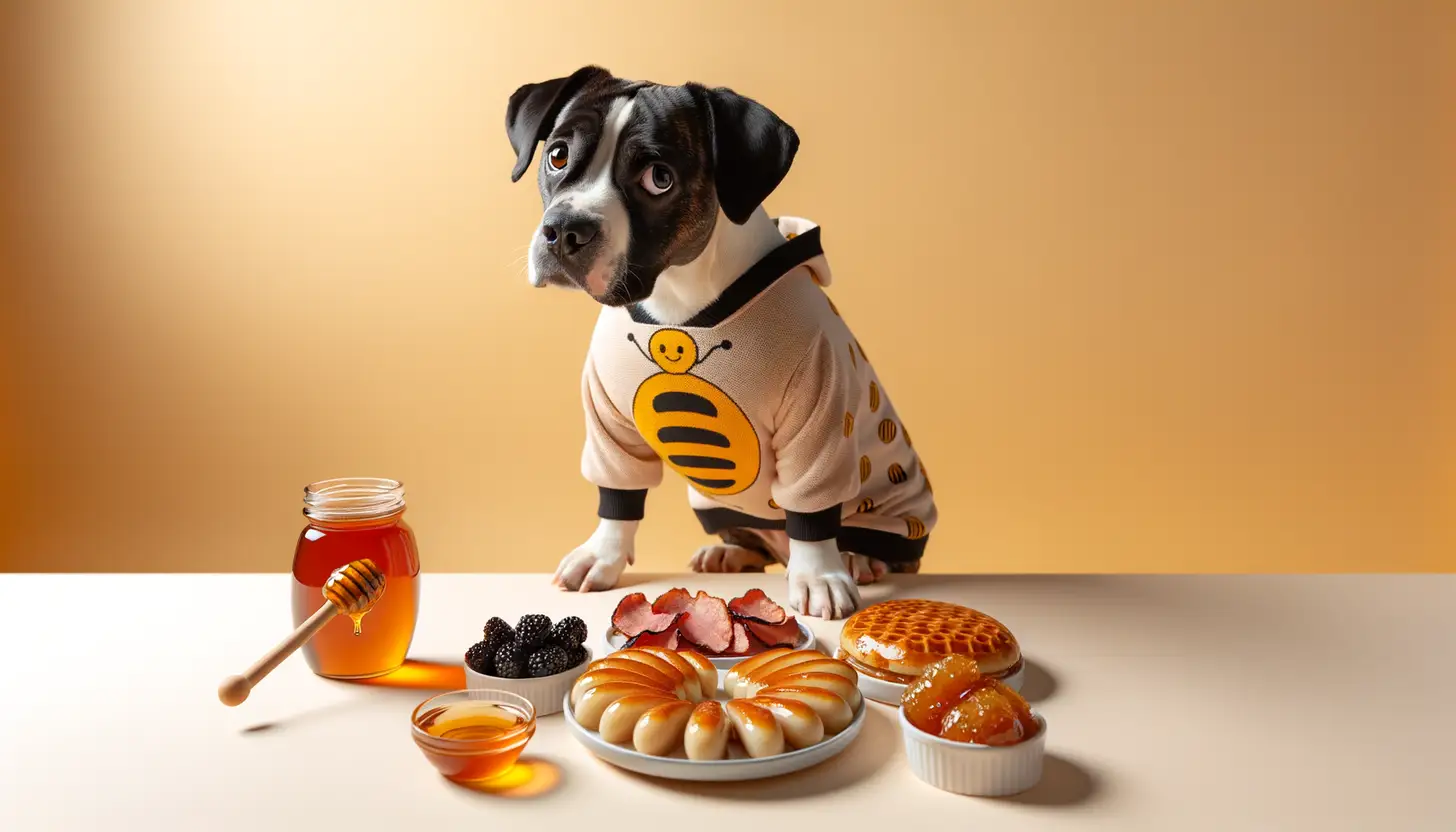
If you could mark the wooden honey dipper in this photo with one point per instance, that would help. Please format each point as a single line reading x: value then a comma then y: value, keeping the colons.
x: 352, y: 589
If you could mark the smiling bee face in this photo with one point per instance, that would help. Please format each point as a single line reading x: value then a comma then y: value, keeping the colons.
x: 673, y: 350
x: 695, y: 428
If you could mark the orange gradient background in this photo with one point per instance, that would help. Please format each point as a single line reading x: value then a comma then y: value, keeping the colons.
x: 1157, y: 287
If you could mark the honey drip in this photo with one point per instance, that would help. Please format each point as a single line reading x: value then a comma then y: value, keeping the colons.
x: 341, y: 651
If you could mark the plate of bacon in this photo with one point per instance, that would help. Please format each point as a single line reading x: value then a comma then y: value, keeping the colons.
x: 727, y: 632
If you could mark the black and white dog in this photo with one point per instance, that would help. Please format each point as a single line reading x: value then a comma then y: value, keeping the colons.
x: 652, y: 201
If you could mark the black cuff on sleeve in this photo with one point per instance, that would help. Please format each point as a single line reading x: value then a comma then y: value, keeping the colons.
x: 616, y: 504
x: 812, y: 527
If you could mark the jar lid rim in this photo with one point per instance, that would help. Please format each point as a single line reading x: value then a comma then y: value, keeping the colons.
x: 352, y: 498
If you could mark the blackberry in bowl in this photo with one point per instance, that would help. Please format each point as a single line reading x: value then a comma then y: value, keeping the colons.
x: 537, y: 659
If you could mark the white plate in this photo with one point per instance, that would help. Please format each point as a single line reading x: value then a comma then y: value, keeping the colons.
x: 616, y: 641
x: 891, y: 692
x: 713, y: 771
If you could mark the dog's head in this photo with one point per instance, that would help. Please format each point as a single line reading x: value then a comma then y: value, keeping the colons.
x: 634, y: 175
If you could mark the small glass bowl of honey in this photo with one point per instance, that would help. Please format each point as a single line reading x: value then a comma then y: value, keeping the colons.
x: 472, y: 736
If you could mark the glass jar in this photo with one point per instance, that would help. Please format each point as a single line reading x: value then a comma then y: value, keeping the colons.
x: 348, y: 520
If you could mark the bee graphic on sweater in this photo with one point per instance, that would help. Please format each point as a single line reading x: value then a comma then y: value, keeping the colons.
x: 690, y: 422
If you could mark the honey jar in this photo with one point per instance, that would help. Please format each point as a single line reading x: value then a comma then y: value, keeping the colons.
x: 352, y: 519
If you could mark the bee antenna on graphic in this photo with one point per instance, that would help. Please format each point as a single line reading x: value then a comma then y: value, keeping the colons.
x: 726, y: 344
x: 633, y: 339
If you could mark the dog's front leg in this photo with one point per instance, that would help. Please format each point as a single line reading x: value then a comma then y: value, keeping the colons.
x: 819, y: 583
x: 599, y: 562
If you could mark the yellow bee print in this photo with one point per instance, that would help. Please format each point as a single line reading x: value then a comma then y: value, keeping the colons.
x: 864, y: 468
x: 691, y: 424
x: 874, y: 397
x: 773, y: 505
x: 887, y: 431
x: 848, y: 424
x: 914, y: 529
x: 852, y: 360
x: 908, y: 443
x: 865, y: 505
x: 862, y: 352
x: 897, y: 474
x: 925, y: 475
x: 832, y: 307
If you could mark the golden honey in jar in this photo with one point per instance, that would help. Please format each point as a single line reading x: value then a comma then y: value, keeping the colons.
x: 348, y: 520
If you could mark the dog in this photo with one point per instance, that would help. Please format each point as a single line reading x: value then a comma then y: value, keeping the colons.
x: 717, y: 351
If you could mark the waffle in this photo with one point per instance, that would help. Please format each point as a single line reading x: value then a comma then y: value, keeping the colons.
x: 895, y: 640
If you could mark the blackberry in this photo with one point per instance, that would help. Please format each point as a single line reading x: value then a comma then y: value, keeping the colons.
x: 510, y: 662
x: 569, y: 632
x: 575, y: 656
x: 481, y: 658
x: 549, y: 661
x: 532, y: 630
x: 499, y: 633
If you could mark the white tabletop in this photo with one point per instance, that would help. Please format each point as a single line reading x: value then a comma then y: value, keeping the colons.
x: 1172, y: 703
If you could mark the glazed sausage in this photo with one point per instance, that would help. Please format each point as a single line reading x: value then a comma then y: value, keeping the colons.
x: 707, y: 733
x: 661, y: 730
x: 756, y: 728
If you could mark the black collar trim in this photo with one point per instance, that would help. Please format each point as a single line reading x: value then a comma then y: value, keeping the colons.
x: 751, y: 284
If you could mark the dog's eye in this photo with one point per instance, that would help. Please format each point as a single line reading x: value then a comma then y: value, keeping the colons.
x: 657, y: 179
x: 557, y: 156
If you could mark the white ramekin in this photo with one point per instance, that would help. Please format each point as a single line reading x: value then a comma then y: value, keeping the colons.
x: 971, y: 769
x: 546, y: 693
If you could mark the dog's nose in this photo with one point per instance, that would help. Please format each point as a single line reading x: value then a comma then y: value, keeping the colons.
x: 569, y: 233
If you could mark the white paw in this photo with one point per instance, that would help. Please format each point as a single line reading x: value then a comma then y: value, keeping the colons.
x: 820, y: 584
x: 864, y: 570
x: 724, y: 557
x: 597, y: 564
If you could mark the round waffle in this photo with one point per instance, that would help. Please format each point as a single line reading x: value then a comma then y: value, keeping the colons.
x: 896, y: 640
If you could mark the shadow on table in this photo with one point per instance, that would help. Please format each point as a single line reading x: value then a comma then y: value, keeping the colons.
x: 861, y: 760
x: 1063, y: 784
x: 530, y: 778
x: 405, y: 698
x: 402, y: 686
x: 1038, y: 685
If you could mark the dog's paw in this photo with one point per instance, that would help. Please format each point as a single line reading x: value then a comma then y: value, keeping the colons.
x: 832, y: 596
x: 725, y: 557
x: 820, y: 585
x: 864, y: 569
x: 597, y: 564
x: 583, y: 570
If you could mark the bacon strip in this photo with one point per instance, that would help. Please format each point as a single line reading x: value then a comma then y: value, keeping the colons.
x: 740, y: 643
x: 755, y: 604
x: 774, y: 635
x: 673, y: 601
x: 634, y: 616
x: 668, y: 637
x: 708, y: 624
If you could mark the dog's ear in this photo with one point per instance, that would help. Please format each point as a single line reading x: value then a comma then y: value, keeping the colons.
x: 533, y: 109
x: 752, y: 149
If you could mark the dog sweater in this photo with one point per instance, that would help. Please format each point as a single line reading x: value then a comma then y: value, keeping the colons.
x: 766, y: 404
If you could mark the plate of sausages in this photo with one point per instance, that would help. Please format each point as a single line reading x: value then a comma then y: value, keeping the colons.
x: 673, y: 714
